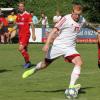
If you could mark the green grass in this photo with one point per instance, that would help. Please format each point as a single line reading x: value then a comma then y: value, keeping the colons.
x: 48, y: 84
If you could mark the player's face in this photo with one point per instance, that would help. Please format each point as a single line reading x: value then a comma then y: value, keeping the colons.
x: 57, y: 13
x: 12, y: 13
x: 43, y: 15
x: 21, y: 8
x: 76, y: 16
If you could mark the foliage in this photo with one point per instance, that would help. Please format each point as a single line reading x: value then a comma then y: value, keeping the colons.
x: 50, y: 7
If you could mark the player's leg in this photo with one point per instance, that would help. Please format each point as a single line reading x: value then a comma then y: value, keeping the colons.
x: 74, y: 57
x: 23, y: 45
x: 98, y: 44
x: 41, y: 65
x: 52, y: 54
x: 74, y: 77
x: 76, y: 71
x: 25, y: 55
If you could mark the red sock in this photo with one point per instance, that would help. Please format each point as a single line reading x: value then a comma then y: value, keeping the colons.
x: 25, y: 55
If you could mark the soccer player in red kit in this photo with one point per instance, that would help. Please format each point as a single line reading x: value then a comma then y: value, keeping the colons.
x: 24, y: 21
x: 98, y: 42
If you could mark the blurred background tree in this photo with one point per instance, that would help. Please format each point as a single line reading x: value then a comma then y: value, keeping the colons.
x: 91, y: 7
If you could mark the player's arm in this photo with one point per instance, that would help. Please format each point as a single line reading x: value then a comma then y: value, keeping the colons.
x: 33, y: 32
x: 90, y: 26
x: 1, y: 25
x: 39, y: 20
x: 53, y: 34
x: 49, y: 39
x: 14, y: 28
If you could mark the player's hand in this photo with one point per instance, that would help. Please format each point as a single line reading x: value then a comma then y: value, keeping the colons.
x: 45, y: 48
x: 34, y: 37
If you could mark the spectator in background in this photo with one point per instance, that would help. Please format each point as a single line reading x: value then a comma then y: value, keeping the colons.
x: 3, y: 29
x: 57, y: 17
x: 34, y: 18
x: 11, y: 25
x: 1, y: 12
x: 45, y: 25
x: 12, y: 17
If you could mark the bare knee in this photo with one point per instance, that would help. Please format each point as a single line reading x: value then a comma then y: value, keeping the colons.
x: 20, y: 48
x: 46, y: 63
x: 77, y: 61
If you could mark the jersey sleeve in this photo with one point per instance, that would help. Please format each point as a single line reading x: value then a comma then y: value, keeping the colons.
x: 60, y: 24
x: 17, y: 19
x: 30, y: 19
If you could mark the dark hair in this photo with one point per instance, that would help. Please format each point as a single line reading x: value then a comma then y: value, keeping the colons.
x: 42, y: 12
x: 31, y: 11
x: 21, y: 3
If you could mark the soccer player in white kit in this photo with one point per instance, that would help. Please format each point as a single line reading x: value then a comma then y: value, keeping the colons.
x: 64, y: 44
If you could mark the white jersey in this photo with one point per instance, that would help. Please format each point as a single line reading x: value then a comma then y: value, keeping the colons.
x: 68, y: 30
x: 56, y: 19
x: 44, y: 21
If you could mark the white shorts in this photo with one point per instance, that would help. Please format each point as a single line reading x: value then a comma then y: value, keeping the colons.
x: 55, y: 52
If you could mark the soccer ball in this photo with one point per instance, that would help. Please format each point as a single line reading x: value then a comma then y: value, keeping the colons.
x: 71, y: 93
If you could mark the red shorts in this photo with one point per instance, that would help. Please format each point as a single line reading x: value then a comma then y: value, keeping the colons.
x: 71, y: 57
x: 24, y: 40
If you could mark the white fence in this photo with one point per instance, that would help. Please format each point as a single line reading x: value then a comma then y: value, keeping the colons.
x: 85, y: 36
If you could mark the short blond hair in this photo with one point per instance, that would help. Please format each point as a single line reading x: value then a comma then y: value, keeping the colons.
x: 77, y: 6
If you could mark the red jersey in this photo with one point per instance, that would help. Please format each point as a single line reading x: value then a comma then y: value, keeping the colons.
x: 23, y: 21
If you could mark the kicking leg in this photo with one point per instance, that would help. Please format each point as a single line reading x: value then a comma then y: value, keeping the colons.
x: 41, y: 65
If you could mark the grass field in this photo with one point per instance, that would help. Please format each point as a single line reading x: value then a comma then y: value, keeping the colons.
x: 48, y: 84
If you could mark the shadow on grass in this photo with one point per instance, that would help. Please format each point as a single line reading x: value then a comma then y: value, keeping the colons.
x: 16, y: 65
x: 59, y: 90
x: 32, y: 65
x: 81, y: 91
x: 4, y: 70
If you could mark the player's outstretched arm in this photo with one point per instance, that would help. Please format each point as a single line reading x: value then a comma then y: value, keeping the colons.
x: 49, y: 39
x: 33, y: 32
x: 90, y: 26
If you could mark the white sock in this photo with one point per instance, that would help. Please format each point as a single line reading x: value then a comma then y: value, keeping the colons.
x: 38, y: 66
x: 75, y: 75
